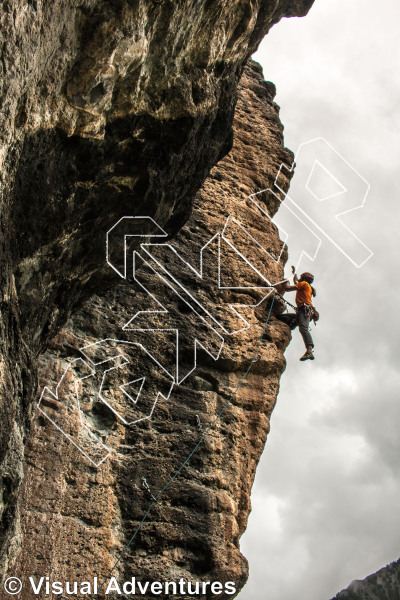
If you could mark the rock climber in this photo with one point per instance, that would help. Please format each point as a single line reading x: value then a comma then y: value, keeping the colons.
x: 305, y: 311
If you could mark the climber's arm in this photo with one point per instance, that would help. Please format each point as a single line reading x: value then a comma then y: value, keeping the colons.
x: 283, y: 287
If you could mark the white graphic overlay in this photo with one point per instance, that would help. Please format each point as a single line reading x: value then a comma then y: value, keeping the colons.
x: 64, y: 404
x: 12, y: 586
x: 117, y: 239
x: 134, y: 400
x: 324, y: 192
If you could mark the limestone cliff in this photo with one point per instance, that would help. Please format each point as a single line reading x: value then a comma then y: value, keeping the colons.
x: 382, y: 585
x: 114, y: 109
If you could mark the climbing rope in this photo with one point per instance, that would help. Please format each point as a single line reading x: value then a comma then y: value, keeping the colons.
x: 255, y: 358
x: 284, y: 299
x: 295, y: 307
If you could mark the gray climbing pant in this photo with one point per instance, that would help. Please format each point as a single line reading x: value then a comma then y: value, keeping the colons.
x: 303, y: 320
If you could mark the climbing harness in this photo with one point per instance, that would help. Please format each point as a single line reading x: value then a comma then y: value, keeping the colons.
x: 256, y: 357
x: 306, y: 309
x: 309, y: 311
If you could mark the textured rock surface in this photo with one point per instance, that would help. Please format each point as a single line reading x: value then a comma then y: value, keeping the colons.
x: 382, y: 585
x: 77, y: 518
x: 106, y: 109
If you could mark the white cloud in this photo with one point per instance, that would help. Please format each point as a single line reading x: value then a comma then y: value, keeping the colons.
x: 325, y: 501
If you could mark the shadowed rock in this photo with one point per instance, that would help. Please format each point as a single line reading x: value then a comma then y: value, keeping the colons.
x: 108, y: 109
x: 194, y: 529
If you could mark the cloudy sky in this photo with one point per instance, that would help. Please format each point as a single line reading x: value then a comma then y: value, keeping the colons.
x: 326, y: 496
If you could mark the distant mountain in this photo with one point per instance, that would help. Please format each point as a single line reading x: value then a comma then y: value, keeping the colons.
x: 382, y: 585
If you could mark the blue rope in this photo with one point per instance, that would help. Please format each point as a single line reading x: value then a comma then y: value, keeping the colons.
x: 284, y: 299
x: 255, y: 359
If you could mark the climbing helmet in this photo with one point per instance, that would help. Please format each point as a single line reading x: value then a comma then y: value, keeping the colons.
x: 309, y: 277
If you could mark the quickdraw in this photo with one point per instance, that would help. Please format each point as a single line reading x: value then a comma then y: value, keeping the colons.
x: 284, y: 299
x: 310, y: 311
x: 307, y: 309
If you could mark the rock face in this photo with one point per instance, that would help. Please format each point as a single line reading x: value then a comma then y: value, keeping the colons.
x: 108, y: 109
x: 382, y: 585
x: 77, y: 518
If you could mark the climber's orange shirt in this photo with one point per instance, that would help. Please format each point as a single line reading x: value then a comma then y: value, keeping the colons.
x: 303, y: 294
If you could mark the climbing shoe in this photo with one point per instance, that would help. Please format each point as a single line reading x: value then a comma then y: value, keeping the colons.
x: 307, y: 356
